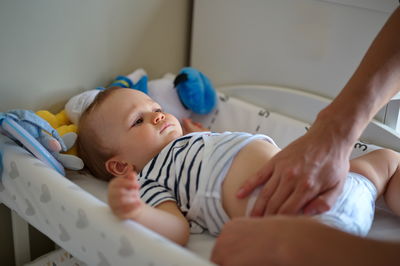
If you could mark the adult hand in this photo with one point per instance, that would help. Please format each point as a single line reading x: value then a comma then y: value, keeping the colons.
x: 307, y: 176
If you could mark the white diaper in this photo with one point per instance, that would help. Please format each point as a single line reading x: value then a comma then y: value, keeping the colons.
x: 353, y: 211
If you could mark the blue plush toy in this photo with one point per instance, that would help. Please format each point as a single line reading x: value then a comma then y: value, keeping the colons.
x: 195, y: 91
x: 190, y: 91
x: 25, y: 127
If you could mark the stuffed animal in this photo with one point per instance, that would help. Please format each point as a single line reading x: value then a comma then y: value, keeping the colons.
x: 78, y: 103
x: 27, y: 128
x: 67, y: 131
x: 56, y: 120
x: 189, y: 92
x: 195, y: 91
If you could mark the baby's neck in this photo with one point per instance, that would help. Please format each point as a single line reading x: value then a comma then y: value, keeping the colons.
x: 154, y: 154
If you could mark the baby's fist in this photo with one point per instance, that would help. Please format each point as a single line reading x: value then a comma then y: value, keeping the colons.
x: 123, y: 196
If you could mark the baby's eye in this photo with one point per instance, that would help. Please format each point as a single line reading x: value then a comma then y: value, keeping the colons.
x: 159, y: 110
x: 137, y: 122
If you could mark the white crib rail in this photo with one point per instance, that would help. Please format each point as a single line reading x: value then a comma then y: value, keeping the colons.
x: 77, y: 221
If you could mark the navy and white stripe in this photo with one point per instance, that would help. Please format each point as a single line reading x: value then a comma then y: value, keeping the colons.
x: 190, y: 171
x: 174, y: 173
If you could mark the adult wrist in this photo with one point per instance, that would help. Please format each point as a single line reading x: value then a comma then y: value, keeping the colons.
x: 343, y: 128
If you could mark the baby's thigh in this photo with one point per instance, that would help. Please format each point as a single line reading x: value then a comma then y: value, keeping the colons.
x: 376, y: 166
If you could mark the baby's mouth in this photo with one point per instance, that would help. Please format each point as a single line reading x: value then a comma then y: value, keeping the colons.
x: 164, y: 127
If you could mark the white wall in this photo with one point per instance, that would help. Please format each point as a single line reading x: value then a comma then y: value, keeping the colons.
x: 50, y: 50
x: 305, y: 44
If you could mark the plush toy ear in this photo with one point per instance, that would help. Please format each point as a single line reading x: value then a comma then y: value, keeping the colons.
x: 141, y: 85
x: 121, y: 81
x: 138, y: 80
x: 195, y: 91
x: 132, y: 81
x: 78, y: 104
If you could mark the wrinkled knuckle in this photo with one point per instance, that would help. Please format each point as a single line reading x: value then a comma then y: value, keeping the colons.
x: 307, y: 185
x: 290, y: 175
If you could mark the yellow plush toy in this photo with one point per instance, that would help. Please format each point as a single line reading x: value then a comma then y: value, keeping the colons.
x: 67, y: 131
x: 56, y: 120
x: 61, y: 123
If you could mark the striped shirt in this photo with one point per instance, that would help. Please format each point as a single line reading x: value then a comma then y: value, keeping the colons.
x: 188, y: 164
x: 174, y: 173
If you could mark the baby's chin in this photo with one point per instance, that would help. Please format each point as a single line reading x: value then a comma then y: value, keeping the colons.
x: 173, y: 135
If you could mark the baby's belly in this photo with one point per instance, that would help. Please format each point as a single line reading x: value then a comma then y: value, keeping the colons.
x: 245, y: 165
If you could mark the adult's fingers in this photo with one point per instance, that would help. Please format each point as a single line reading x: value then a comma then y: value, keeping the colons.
x: 324, y: 201
x: 264, y: 196
x: 296, y: 201
x: 279, y: 196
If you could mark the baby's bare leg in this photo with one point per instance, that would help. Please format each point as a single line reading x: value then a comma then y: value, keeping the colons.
x: 382, y: 168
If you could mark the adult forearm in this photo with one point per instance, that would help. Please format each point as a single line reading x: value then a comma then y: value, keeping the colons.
x: 297, y: 241
x: 378, y: 253
x: 337, y: 248
x: 374, y: 82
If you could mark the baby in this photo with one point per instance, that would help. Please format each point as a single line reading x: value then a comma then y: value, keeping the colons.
x: 175, y: 184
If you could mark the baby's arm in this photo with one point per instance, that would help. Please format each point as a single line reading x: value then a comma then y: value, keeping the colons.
x: 165, y: 219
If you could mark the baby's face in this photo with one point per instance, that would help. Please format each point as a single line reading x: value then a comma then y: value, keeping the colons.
x: 135, y: 126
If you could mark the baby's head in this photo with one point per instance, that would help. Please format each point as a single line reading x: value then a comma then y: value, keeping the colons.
x: 123, y: 127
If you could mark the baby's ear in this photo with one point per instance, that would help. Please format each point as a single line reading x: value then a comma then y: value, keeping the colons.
x: 117, y: 167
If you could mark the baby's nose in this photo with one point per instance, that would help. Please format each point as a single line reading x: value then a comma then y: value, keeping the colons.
x: 159, y: 116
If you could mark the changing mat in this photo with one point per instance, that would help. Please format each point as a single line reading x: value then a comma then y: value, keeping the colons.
x: 78, y: 221
x: 74, y: 214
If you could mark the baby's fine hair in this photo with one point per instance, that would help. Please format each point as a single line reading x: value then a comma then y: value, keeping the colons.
x: 91, y: 147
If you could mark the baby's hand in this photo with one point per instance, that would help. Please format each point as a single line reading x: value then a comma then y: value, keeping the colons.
x: 190, y: 126
x: 123, y: 196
